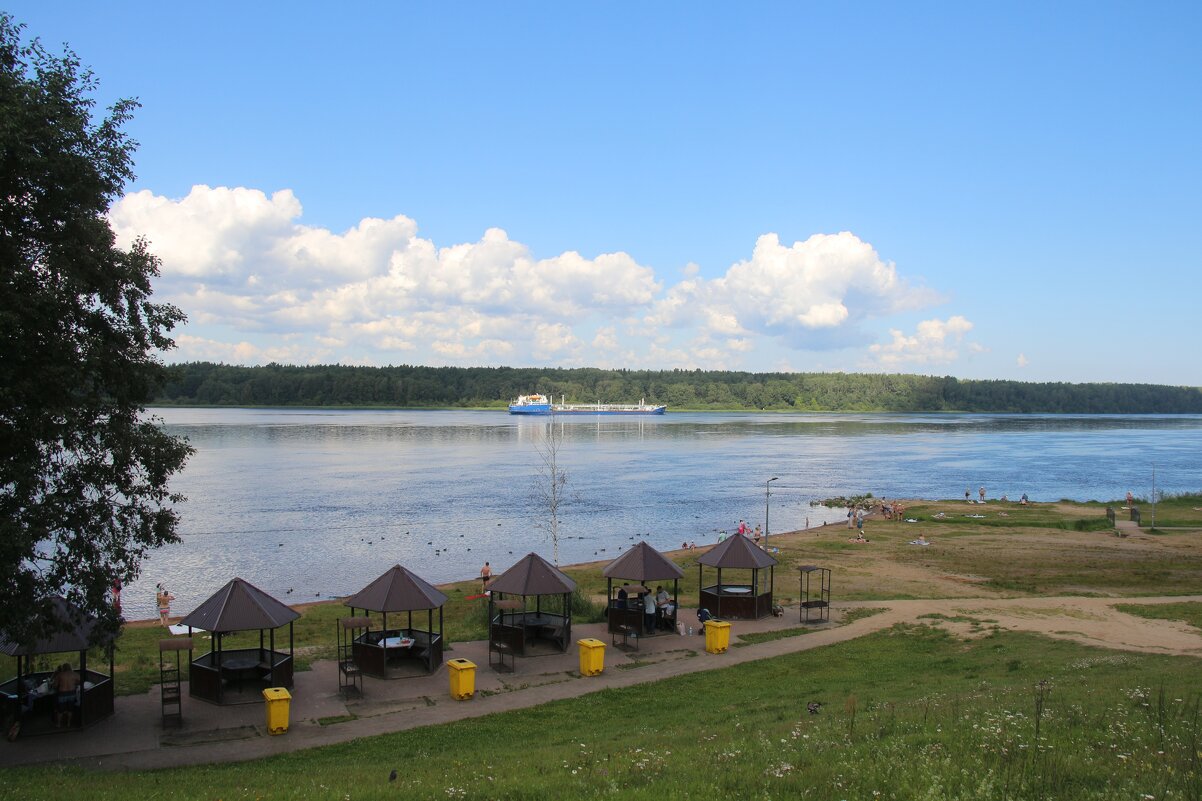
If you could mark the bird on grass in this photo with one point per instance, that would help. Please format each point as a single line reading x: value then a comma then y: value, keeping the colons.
x: 392, y: 776
x: 813, y: 707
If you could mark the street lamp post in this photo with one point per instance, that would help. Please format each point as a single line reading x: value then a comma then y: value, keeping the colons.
x: 767, y: 495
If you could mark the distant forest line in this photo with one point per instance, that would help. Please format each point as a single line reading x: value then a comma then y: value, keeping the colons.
x: 209, y: 384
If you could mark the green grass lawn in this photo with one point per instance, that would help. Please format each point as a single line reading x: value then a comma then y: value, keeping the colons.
x: 910, y: 713
x: 1190, y: 613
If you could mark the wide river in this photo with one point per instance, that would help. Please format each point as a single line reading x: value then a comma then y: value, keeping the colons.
x: 309, y: 503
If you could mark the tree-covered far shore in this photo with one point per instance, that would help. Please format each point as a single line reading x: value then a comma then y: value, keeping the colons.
x: 406, y: 386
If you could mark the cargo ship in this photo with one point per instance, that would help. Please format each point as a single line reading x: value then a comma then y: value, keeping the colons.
x: 541, y: 404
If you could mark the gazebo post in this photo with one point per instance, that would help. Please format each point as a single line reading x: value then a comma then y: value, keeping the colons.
x: 271, y: 655
x: 217, y: 667
x: 772, y: 584
x: 83, y: 673
x: 567, y: 617
x: 676, y: 600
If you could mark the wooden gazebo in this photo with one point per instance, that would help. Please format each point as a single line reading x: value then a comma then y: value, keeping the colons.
x: 643, y: 565
x: 29, y: 698
x: 384, y: 653
x: 747, y: 600
x: 239, y: 675
x: 515, y: 627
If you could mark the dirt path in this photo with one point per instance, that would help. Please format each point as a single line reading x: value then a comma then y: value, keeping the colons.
x: 1089, y: 621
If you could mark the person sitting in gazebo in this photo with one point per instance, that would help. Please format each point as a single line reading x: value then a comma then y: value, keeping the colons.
x: 65, y: 682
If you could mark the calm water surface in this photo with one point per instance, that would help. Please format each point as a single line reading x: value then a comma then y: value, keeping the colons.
x: 323, y: 501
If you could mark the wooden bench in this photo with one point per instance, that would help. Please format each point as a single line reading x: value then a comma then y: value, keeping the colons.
x: 501, y: 649
x: 625, y: 632
x: 553, y: 634
x: 352, y: 677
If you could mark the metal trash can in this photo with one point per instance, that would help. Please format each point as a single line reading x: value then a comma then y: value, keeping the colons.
x: 278, y: 701
x: 717, y: 636
x: 463, y: 678
x: 592, y: 656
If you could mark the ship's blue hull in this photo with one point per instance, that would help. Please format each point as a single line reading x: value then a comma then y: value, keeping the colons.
x: 547, y: 409
x: 532, y: 408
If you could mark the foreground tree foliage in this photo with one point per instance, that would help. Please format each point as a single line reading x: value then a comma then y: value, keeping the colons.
x: 83, y: 472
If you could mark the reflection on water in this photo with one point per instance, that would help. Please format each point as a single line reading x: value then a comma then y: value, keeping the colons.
x: 321, y: 501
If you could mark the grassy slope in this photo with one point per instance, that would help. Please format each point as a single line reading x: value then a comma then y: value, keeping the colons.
x: 907, y: 713
x: 911, y: 713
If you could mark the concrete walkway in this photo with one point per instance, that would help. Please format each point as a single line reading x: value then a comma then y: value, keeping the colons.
x: 134, y: 737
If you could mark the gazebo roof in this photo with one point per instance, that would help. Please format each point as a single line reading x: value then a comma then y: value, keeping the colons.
x: 398, y: 590
x: 76, y: 636
x: 239, y: 606
x: 532, y: 575
x: 642, y: 563
x: 737, y: 551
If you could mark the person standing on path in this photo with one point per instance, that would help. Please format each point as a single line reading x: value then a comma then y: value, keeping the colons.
x: 648, y: 613
x: 851, y: 517
x: 743, y: 527
x: 663, y: 603
x: 982, y: 495
x: 967, y: 495
x: 485, y: 576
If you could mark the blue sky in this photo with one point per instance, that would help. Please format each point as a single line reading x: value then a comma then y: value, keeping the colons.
x: 986, y: 191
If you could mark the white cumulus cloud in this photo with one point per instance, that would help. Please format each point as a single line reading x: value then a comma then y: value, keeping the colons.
x: 258, y: 285
x: 934, y: 342
x: 813, y: 293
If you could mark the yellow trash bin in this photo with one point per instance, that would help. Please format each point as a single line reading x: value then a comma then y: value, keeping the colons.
x: 592, y: 656
x: 277, y: 700
x: 463, y: 678
x: 717, y: 636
